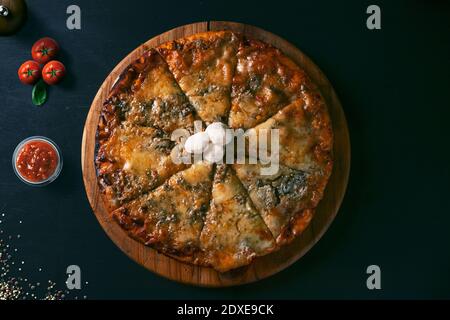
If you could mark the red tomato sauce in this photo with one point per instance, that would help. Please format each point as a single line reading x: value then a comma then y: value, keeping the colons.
x: 37, y: 160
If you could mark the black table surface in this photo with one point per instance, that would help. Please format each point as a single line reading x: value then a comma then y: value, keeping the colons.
x: 394, y: 87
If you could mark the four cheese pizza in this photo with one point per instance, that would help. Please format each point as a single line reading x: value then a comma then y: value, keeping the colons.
x: 211, y: 212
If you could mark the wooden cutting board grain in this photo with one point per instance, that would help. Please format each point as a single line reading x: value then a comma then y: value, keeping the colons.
x: 262, y: 267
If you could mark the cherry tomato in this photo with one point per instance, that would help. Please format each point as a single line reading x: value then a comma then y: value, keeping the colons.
x: 53, y: 72
x: 44, y: 50
x: 29, y: 72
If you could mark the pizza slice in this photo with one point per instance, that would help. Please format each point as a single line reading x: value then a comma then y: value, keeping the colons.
x: 134, y: 160
x: 264, y: 82
x: 171, y: 217
x: 234, y: 233
x: 304, y: 137
x: 146, y: 94
x: 285, y: 199
x: 203, y: 65
x: 157, y: 99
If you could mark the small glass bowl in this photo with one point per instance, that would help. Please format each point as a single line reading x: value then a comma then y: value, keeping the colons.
x: 50, y: 178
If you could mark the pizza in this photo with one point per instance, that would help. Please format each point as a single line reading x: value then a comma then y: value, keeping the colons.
x: 213, y: 213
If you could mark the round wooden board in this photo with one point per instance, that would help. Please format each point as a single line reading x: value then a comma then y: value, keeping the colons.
x: 262, y: 267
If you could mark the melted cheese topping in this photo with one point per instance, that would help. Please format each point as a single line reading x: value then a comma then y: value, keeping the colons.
x: 173, y: 214
x: 203, y: 66
x: 137, y: 160
x: 158, y: 83
x: 158, y: 100
x: 278, y: 197
x: 135, y: 150
x: 242, y: 214
x: 234, y: 233
x: 296, y: 140
x: 264, y: 82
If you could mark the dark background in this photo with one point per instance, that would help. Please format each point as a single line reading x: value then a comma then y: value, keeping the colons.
x: 393, y: 84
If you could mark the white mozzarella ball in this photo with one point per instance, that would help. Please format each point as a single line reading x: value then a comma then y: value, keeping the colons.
x: 197, y: 143
x: 218, y: 133
x: 213, y: 153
